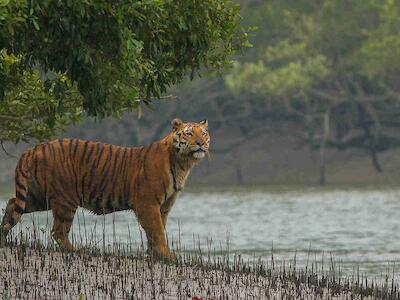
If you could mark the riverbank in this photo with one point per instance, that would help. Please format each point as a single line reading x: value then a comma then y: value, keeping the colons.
x: 36, y: 272
x: 306, y: 224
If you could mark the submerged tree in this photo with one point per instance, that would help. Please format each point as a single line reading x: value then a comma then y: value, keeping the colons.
x: 334, y: 66
x: 60, y: 59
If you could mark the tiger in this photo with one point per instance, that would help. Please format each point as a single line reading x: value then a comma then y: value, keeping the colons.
x: 64, y: 174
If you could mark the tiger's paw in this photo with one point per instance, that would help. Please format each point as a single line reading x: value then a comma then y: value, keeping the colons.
x: 168, y: 256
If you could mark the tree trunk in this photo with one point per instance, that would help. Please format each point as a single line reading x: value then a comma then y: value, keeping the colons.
x: 322, y: 170
x: 375, y: 161
x: 238, y: 166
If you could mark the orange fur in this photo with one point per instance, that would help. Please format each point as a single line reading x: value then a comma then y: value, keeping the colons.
x: 63, y: 175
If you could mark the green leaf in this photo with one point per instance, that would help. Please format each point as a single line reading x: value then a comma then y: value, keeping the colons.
x: 35, y: 24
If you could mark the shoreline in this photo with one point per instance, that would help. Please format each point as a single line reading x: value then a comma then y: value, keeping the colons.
x: 35, y: 272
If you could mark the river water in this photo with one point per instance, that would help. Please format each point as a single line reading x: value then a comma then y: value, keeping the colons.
x: 360, y: 229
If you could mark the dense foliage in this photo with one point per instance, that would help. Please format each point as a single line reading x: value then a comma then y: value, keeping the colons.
x: 59, y: 59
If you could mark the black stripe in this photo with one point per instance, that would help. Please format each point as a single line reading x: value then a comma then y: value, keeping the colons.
x: 92, y: 195
x: 44, y: 157
x: 120, y: 168
x: 19, y: 166
x: 121, y: 172
x: 137, y: 187
x: 70, y: 144
x: 18, y: 184
x: 106, y: 162
x: 36, y: 162
x: 53, y: 153
x: 125, y: 176
x: 18, y: 209
x: 86, y: 175
x: 53, y: 159
x: 85, y: 146
x: 130, y: 154
x: 57, y: 189
x: 97, y: 204
x: 171, y: 169
x: 115, y: 172
x: 20, y: 196
x: 82, y: 197
x: 139, y: 152
x: 91, y: 151
x: 68, y: 167
x: 114, y: 169
x: 144, y: 159
x: 45, y: 170
x: 78, y: 196
x: 99, y: 148
x: 165, y: 190
x: 119, y: 203
x: 71, y: 174
x: 173, y: 177
x: 34, y: 199
x: 63, y: 162
x: 93, y: 188
x: 76, y: 146
x: 92, y: 200
x: 107, y: 205
x: 165, y: 194
x: 105, y: 172
x: 60, y: 141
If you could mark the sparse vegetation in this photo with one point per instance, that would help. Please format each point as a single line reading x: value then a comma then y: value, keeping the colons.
x: 31, y: 268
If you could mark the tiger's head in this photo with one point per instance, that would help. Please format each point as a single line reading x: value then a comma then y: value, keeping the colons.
x: 191, y: 140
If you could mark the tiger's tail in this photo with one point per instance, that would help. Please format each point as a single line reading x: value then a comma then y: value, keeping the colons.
x: 16, y: 206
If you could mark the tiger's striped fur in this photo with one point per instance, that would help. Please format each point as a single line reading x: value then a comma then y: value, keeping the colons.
x: 65, y: 174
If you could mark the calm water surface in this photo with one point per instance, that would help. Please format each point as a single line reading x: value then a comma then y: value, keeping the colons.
x: 355, y: 227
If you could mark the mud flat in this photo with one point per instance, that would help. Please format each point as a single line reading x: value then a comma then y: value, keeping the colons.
x: 29, y: 272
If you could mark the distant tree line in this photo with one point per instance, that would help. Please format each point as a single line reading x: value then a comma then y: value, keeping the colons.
x: 333, y: 66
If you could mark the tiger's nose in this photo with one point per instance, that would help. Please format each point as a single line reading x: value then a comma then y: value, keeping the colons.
x: 199, y: 143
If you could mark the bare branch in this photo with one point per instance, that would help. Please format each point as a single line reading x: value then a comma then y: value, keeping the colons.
x: 11, y: 118
x: 5, y: 151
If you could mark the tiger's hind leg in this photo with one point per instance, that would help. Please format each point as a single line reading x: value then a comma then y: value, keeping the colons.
x: 13, y: 212
x: 8, y: 222
x: 63, y: 218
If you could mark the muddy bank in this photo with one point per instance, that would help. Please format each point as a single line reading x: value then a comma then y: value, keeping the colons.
x: 38, y: 273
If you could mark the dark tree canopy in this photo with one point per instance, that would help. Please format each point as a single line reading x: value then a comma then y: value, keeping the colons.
x: 103, y: 57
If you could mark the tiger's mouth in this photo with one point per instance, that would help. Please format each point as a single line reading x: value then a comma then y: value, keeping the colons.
x: 198, y: 153
x: 198, y: 150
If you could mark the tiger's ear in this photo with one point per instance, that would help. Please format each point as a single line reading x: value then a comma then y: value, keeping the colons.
x: 176, y: 123
x: 204, y: 122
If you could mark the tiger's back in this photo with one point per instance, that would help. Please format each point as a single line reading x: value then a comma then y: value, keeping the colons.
x: 75, y: 172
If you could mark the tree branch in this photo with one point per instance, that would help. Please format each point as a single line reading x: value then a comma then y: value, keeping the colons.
x: 5, y: 151
x: 10, y: 118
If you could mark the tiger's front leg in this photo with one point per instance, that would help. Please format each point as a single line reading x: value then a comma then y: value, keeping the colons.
x: 149, y: 217
x: 63, y: 218
x: 166, y: 208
